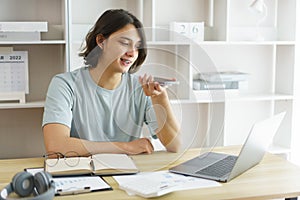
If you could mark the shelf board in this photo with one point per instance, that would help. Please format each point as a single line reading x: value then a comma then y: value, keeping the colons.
x: 201, y: 97
x: 259, y: 97
x: 222, y: 43
x: 33, y: 42
x: 168, y: 43
x: 220, y: 96
x: 212, y: 42
x: 148, y: 42
x: 34, y: 104
x: 247, y: 43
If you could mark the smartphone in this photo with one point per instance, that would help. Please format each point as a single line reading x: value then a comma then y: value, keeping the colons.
x: 166, y: 81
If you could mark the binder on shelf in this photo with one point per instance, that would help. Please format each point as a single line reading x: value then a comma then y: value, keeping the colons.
x: 23, y: 26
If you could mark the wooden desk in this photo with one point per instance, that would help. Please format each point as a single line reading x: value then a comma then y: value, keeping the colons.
x: 273, y: 178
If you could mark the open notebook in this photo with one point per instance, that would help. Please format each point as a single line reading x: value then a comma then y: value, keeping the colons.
x: 98, y: 164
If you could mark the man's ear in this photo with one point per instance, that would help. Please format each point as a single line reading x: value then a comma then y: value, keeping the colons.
x: 100, y: 40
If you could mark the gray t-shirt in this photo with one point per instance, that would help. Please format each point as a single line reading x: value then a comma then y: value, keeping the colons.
x: 97, y: 114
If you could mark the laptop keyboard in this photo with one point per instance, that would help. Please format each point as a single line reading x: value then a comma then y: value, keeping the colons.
x: 219, y: 168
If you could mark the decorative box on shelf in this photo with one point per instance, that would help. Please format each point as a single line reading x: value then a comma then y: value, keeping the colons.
x: 181, y: 31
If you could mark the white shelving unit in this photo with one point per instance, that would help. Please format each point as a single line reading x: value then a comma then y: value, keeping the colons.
x: 270, y: 63
x: 207, y: 119
x: 20, y: 123
x: 230, y: 44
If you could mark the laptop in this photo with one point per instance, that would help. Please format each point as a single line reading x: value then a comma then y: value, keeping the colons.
x: 224, y: 167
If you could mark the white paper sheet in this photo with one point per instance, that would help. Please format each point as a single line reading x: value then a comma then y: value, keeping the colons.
x: 167, y: 178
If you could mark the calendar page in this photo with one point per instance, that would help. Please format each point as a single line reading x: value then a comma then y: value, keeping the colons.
x: 14, y: 72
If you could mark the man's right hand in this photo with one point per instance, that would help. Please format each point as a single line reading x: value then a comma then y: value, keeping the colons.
x: 141, y: 145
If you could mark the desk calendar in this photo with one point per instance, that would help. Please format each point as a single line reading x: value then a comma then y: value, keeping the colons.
x: 13, y: 75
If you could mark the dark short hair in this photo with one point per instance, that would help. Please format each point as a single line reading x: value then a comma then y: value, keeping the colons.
x: 109, y: 22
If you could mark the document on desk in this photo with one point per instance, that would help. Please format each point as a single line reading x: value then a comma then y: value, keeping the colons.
x: 161, y: 182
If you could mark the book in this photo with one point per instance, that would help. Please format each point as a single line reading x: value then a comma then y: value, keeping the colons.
x: 223, y: 76
x: 23, y: 26
x: 20, y: 36
x: 98, y: 164
x: 205, y: 85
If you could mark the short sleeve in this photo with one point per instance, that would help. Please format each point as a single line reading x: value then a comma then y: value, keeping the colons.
x: 150, y: 118
x: 58, y: 105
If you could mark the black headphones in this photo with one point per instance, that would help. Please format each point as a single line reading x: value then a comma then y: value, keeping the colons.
x: 25, y: 184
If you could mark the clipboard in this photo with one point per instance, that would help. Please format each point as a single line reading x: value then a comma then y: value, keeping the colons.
x: 71, y: 185
x: 79, y: 184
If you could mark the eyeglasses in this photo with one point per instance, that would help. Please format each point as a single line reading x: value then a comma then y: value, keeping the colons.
x: 70, y: 158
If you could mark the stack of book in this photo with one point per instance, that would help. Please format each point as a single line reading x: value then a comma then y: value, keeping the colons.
x: 225, y: 80
x: 22, y: 31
